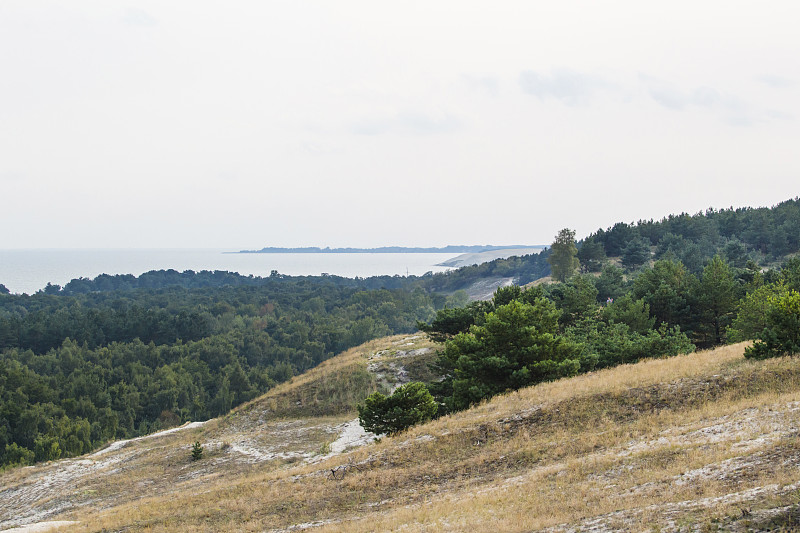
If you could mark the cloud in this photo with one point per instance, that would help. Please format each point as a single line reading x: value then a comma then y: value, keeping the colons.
x: 138, y: 17
x: 671, y: 97
x: 730, y: 109
x: 776, y: 82
x: 408, y: 123
x: 482, y: 83
x: 779, y: 115
x: 571, y: 88
x: 742, y: 120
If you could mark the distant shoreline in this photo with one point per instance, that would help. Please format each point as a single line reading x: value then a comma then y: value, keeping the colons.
x: 477, y: 258
x: 384, y: 250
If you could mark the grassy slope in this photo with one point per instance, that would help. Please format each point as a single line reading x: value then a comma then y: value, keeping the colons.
x: 694, y: 442
x: 295, y: 422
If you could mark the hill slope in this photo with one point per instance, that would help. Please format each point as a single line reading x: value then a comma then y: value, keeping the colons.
x: 698, y: 442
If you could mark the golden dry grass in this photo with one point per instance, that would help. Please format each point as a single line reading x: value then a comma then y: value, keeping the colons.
x: 692, y: 442
x: 337, y: 385
x: 254, y: 436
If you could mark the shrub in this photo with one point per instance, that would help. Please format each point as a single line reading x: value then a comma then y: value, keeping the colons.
x: 410, y: 404
x: 611, y: 344
x: 18, y: 455
x: 197, y: 451
x: 753, y: 310
x: 782, y: 334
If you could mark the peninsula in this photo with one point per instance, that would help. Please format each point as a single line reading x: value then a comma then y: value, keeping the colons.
x: 455, y: 249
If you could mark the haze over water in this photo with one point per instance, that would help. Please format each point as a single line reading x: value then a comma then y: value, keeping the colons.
x: 30, y: 270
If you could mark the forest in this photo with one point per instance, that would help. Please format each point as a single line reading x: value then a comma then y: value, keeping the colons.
x: 764, y: 236
x: 617, y: 297
x: 79, y: 369
x: 525, y: 336
x: 120, y: 356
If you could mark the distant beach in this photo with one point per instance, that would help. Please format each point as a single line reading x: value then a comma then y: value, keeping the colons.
x: 483, y: 257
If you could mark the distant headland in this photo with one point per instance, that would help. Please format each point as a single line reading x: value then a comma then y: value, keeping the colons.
x: 454, y: 249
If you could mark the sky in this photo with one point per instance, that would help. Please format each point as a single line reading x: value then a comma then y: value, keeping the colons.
x: 243, y: 124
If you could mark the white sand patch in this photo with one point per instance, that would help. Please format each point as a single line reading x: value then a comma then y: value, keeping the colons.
x: 258, y: 455
x: 478, y: 258
x: 44, y: 481
x: 351, y: 435
x: 747, y: 430
x: 58, y: 478
x: 122, y: 443
x: 41, y: 527
x: 387, y: 367
x: 303, y: 526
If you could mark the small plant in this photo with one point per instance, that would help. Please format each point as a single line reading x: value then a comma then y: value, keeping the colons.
x: 325, y: 449
x: 197, y: 451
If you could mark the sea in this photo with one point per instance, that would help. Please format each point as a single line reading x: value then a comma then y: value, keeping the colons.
x: 28, y: 271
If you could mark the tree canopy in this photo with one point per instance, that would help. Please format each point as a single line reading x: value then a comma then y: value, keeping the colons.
x: 563, y: 255
x: 78, y: 370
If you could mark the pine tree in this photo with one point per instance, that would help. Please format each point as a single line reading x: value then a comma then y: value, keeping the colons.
x: 716, y: 299
x: 197, y: 451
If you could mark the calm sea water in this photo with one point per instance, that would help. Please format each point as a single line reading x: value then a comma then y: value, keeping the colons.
x: 30, y: 270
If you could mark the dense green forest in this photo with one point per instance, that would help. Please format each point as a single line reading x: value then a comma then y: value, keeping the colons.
x: 80, y: 369
x: 652, y: 289
x: 553, y: 330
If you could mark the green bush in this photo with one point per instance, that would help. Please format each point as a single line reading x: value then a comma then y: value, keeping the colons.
x: 197, y: 451
x: 753, y: 309
x: 17, y: 455
x: 782, y: 334
x: 410, y: 404
x: 46, y: 448
x: 611, y: 344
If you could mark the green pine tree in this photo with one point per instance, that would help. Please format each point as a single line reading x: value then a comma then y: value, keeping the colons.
x: 197, y: 451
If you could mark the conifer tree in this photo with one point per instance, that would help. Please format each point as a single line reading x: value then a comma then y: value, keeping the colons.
x: 716, y: 299
x: 197, y: 451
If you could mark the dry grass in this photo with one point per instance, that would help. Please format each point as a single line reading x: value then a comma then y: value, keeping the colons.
x: 260, y: 436
x: 337, y: 385
x: 695, y: 442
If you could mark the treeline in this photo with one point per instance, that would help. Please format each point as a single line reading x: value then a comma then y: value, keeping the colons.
x: 760, y: 236
x: 763, y: 236
x: 78, y: 370
x: 189, y: 279
x: 524, y: 269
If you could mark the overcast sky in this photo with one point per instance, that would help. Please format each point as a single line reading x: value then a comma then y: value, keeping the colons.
x: 337, y: 123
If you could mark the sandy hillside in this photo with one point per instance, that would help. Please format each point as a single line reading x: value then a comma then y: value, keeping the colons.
x: 703, y: 442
